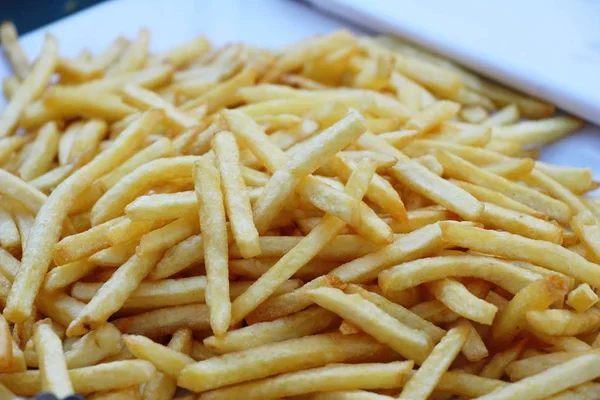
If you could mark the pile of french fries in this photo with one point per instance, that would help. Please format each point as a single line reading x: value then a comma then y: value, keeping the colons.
x: 346, y: 218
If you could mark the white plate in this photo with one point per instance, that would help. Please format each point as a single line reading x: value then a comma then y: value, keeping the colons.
x: 270, y: 23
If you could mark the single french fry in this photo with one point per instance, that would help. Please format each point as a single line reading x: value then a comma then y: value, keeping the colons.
x: 582, y: 298
x: 255, y: 268
x: 114, y: 256
x: 212, y: 223
x: 578, y: 180
x: 24, y: 221
x: 148, y: 295
x: 236, y: 199
x: 132, y: 392
x: 304, y: 323
x: 494, y: 216
x: 126, y: 230
x: 474, y: 349
x: 165, y: 321
x: 12, y: 144
x: 150, y: 78
x: 9, y: 234
x: 537, y: 132
x: 21, y: 191
x: 106, y: 376
x: 525, y: 367
x: 75, y: 247
x: 505, y: 116
x: 564, y: 343
x: 487, y: 195
x: 563, y: 322
x: 113, y: 294
x: 163, y: 206
x: 457, y: 298
x: 10, y: 84
x: 423, y: 382
x: 43, y: 151
x: 584, y: 225
x: 328, y: 378
x: 263, y: 361
x: 167, y: 236
x: 64, y: 275
x: 545, y: 254
x: 423, y: 270
x: 68, y: 102
x: 53, y: 367
x: 496, y: 366
x: 14, y: 52
x: 6, y: 346
x: 551, y: 381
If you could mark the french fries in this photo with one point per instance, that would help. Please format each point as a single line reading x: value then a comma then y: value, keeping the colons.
x: 53, y: 367
x: 212, y: 223
x: 237, y: 221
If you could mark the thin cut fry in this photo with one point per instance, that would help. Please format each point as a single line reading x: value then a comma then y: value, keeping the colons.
x: 545, y: 254
x: 272, y: 359
x: 106, y: 376
x: 564, y: 322
x: 423, y: 382
x: 13, y: 50
x: 423, y: 270
x: 329, y: 378
x: 212, y: 223
x: 53, y: 367
x: 113, y: 293
x: 457, y: 298
x: 551, y: 381
x: 236, y: 199
x: 300, y: 324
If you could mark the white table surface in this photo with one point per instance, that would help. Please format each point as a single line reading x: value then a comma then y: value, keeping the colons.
x: 269, y: 23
